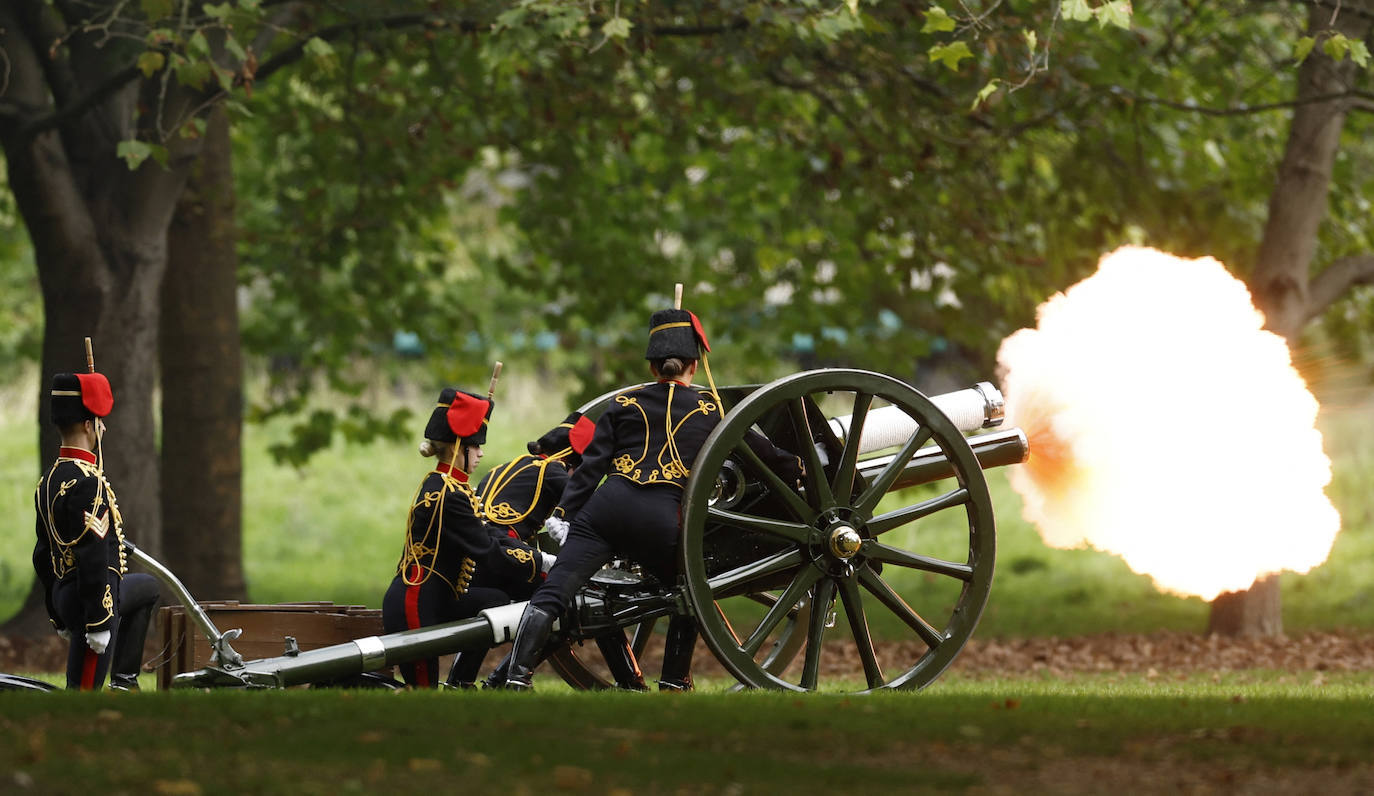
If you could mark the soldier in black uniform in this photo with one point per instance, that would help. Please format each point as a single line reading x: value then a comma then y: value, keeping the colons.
x: 93, y: 602
x: 644, y: 445
x: 519, y: 495
x: 454, y: 565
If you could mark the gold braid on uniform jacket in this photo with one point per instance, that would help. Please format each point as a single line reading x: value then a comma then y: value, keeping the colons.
x: 491, y: 507
x: 97, y: 520
x: 670, y: 466
x: 419, y: 552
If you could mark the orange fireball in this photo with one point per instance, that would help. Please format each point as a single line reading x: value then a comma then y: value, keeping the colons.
x: 1167, y: 427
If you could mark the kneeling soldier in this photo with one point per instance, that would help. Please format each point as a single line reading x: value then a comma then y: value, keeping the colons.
x: 79, y: 553
x: 454, y: 565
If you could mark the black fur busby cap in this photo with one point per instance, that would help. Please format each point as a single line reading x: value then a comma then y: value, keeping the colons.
x: 574, y: 433
x: 77, y: 397
x: 459, y: 415
x: 675, y: 333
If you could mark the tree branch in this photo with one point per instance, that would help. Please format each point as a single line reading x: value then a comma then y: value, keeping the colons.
x: 296, y: 51
x: 1356, y: 96
x: 1332, y: 283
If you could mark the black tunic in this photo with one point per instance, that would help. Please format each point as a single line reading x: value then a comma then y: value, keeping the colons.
x: 521, y: 493
x: 80, y: 540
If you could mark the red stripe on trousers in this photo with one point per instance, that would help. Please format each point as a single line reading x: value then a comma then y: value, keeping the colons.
x: 413, y: 622
x: 88, y: 670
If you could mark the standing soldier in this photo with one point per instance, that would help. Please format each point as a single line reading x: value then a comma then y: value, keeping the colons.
x: 643, y: 446
x: 518, y: 496
x: 79, y: 554
x: 454, y: 565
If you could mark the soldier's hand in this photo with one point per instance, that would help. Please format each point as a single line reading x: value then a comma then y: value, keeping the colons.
x: 546, y: 561
x: 557, y: 529
x: 98, y: 641
x: 64, y: 634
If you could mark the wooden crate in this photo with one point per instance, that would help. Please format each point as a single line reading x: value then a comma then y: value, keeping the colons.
x: 183, y: 648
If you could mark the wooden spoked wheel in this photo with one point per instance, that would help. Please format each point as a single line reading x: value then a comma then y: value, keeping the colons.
x: 835, y: 540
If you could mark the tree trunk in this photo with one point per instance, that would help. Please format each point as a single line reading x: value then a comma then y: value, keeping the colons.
x: 202, y: 384
x: 1281, y: 277
x: 99, y: 234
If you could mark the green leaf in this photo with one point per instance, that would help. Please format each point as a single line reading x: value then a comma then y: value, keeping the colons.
x: 1076, y: 10
x: 1031, y: 40
x: 218, y: 10
x: 937, y: 21
x: 232, y: 45
x: 133, y: 153
x: 198, y: 44
x: 984, y: 93
x: 316, y: 47
x: 1303, y: 48
x: 853, y: 6
x: 1114, y: 12
x: 157, y: 9
x: 1359, y: 52
x: 1336, y: 46
x: 950, y: 54
x: 150, y: 62
x: 193, y: 73
x: 618, y: 28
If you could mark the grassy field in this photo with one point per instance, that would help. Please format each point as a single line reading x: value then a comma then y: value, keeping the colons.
x: 998, y: 736
x: 333, y: 529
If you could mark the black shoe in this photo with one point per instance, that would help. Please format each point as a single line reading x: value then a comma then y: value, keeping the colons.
x: 466, y: 665
x: 531, y: 635
x: 497, y: 678
x: 620, y: 659
x: 678, y: 646
x: 124, y: 682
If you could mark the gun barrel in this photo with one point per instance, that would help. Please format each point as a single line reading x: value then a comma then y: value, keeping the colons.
x: 995, y: 449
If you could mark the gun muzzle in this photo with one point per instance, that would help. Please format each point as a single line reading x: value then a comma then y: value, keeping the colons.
x: 979, y: 407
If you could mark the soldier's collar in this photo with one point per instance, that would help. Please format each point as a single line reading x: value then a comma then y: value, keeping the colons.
x: 84, y: 455
x: 452, y: 472
x: 674, y: 381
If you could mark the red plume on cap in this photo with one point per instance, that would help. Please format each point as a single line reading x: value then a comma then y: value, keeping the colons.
x: 466, y: 415
x: 580, y: 436
x: 96, y: 394
x: 701, y: 333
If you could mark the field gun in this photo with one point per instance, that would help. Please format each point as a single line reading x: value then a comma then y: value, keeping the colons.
x: 764, y: 563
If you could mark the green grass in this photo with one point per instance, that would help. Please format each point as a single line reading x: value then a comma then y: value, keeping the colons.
x: 332, y: 530
x: 1078, y: 736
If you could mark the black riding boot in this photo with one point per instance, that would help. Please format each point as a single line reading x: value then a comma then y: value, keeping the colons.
x: 620, y: 659
x: 497, y: 678
x: 677, y: 654
x: 530, y: 637
x: 466, y: 665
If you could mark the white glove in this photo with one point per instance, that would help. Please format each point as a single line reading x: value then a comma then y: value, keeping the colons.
x: 546, y: 561
x: 98, y: 641
x: 557, y: 529
x: 821, y: 452
x: 64, y: 634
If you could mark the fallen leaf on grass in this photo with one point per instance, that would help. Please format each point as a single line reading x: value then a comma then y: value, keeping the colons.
x: 425, y: 764
x: 176, y: 787
x: 108, y: 715
x: 571, y: 777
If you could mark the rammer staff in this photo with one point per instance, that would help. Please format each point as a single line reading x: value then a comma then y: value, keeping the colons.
x: 495, y: 374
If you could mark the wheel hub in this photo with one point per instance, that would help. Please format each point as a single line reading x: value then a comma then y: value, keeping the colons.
x: 844, y: 542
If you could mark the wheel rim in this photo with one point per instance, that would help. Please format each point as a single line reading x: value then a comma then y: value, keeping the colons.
x: 831, y: 544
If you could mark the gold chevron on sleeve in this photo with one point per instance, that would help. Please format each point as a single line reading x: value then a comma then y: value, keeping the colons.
x: 100, y: 526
